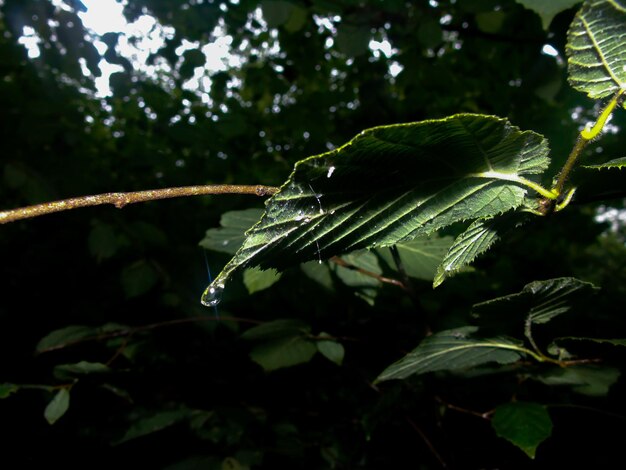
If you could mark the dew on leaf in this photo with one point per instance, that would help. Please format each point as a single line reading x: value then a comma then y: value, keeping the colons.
x: 212, y: 295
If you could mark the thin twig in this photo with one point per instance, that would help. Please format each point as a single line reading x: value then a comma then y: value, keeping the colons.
x: 486, y: 415
x: 341, y: 262
x: 132, y: 330
x: 120, y: 200
x: 427, y: 441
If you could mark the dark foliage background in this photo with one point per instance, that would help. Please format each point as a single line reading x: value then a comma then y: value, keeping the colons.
x: 210, y: 405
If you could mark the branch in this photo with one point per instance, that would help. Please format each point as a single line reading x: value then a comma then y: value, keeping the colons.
x: 120, y: 200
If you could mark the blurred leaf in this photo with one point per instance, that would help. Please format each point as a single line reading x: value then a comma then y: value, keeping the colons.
x: 525, y: 425
x: 286, y: 352
x: 68, y: 371
x: 277, y: 12
x: 319, y: 272
x: 7, y: 389
x: 256, y: 279
x: 151, y: 424
x: 63, y: 336
x: 454, y: 349
x: 327, y: 206
x: 331, y: 350
x: 547, y: 10
x: 490, y: 21
x: 596, y: 48
x: 138, y: 278
x: 102, y: 241
x: 230, y: 236
x: 276, y: 329
x: 429, y: 34
x: 231, y: 463
x: 57, y: 407
x: 352, y: 40
x: 591, y: 380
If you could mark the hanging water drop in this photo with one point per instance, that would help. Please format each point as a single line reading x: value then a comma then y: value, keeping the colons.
x: 212, y: 295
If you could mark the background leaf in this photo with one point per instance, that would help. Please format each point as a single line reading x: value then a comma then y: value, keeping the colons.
x: 420, y: 257
x: 57, y: 407
x: 256, y: 279
x: 231, y: 234
x: 453, y: 349
x: 525, y: 425
x: 547, y: 10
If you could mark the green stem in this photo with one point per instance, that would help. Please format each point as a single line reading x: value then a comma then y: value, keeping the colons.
x: 519, y: 179
x: 586, y: 135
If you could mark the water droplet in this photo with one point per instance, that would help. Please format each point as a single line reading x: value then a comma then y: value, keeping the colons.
x: 330, y: 172
x: 212, y: 295
x: 332, y: 211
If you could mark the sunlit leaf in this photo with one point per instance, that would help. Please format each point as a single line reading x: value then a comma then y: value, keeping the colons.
x: 454, y: 349
x: 391, y: 184
x: 57, y: 407
x: 525, y: 425
x: 474, y: 241
x: 596, y: 48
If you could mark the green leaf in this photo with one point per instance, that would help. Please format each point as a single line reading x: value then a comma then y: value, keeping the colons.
x: 318, y: 272
x: 68, y: 371
x: 276, y: 329
x: 613, y: 342
x: 391, y: 184
x: 103, y: 242
x: 420, y: 257
x: 548, y: 9
x: 596, y: 48
x: 285, y: 352
x: 352, y: 40
x: 63, y: 336
x: 153, y: 423
x: 138, y: 278
x: 57, y: 407
x: 474, y: 241
x: 618, y: 163
x: 360, y: 274
x: 454, y: 349
x: 230, y: 236
x: 331, y: 349
x: 538, y: 302
x: 283, y: 343
x: 256, y: 279
x: 525, y: 425
x: 590, y: 380
x: 7, y: 389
